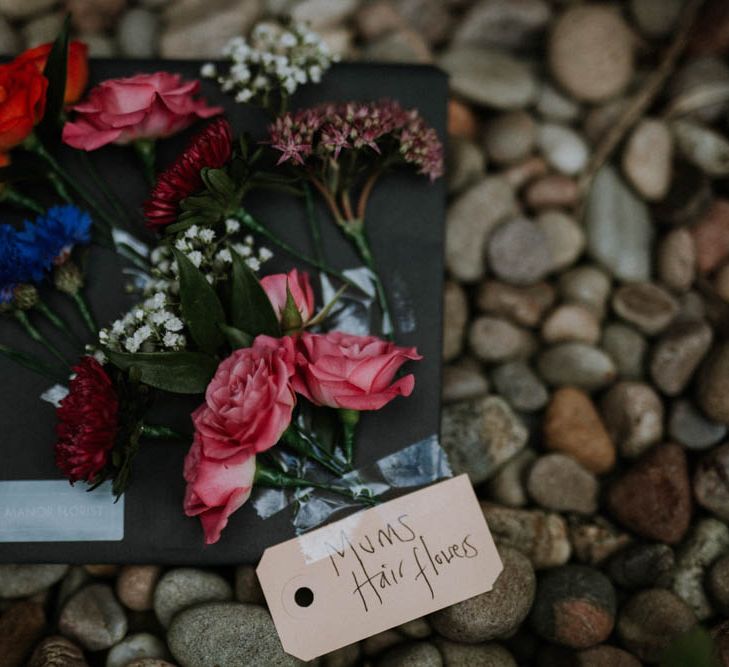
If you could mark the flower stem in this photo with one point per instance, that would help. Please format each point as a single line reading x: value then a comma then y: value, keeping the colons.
x: 278, y: 480
x: 146, y: 150
x: 249, y: 221
x: 85, y: 311
x: 39, y: 149
x: 349, y: 420
x: 37, y: 336
x: 31, y: 363
x: 359, y: 236
x: 56, y: 321
x: 314, y: 226
x: 60, y: 187
x: 10, y: 195
x: 159, y: 432
x: 306, y: 446
x: 110, y: 196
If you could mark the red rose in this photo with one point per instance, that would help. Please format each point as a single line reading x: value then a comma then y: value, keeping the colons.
x: 216, y: 489
x: 298, y: 284
x: 249, y: 401
x: 339, y: 370
x: 145, y: 106
x: 22, y: 102
x: 210, y: 148
x: 88, y: 420
x: 77, y: 70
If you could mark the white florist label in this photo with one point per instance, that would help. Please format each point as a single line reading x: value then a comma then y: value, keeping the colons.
x: 55, y: 511
x: 379, y: 568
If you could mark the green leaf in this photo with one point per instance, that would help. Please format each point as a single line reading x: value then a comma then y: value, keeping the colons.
x: 236, y: 338
x: 291, y: 316
x: 218, y: 182
x: 175, y: 372
x: 201, y: 307
x: 33, y: 364
x: 251, y: 310
x: 55, y: 71
x: 694, y: 648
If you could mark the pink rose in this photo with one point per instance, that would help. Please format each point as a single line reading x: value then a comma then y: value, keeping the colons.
x: 353, y: 372
x: 249, y: 401
x: 300, y: 288
x: 216, y: 489
x: 145, y: 106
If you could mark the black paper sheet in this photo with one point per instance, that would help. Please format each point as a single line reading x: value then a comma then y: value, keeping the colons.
x: 405, y: 222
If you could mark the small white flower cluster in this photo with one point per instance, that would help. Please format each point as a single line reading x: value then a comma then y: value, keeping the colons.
x: 209, y: 253
x: 156, y: 324
x: 151, y: 326
x: 277, y: 58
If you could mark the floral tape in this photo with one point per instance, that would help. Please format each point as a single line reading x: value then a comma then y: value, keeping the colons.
x: 416, y: 465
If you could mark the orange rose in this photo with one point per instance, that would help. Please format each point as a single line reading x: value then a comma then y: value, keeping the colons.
x: 22, y: 102
x: 77, y: 68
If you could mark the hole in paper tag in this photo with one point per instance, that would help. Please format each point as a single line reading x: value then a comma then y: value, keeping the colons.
x: 379, y: 568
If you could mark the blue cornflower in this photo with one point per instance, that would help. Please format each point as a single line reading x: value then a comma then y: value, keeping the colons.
x: 20, y: 262
x: 55, y: 233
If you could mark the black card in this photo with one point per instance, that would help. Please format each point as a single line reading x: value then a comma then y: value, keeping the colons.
x: 405, y: 222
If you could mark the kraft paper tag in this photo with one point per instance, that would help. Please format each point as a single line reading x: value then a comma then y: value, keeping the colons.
x: 379, y: 568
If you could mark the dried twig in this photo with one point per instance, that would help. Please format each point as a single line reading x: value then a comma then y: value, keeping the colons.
x: 643, y: 99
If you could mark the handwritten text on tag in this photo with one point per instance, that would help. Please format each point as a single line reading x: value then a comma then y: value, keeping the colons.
x: 379, y: 568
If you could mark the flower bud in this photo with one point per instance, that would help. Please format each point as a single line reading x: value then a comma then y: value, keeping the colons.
x: 67, y: 278
x: 25, y: 296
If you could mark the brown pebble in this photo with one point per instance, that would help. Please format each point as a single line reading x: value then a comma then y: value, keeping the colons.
x: 552, y: 191
x: 711, y: 235
x: 711, y: 482
x: 647, y: 306
x: 678, y: 353
x: 21, y: 627
x: 523, y: 305
x: 677, y: 260
x: 590, y: 51
x: 57, y: 651
x: 102, y: 571
x: 94, y: 16
x: 594, y: 541
x: 650, y: 620
x: 606, y: 656
x: 721, y: 283
x: 462, y: 122
x: 525, y: 172
x: 571, y: 322
x: 713, y: 385
x: 653, y: 497
x: 455, y: 318
x: 633, y: 415
x: 710, y: 35
x: 135, y: 586
x: 573, y: 426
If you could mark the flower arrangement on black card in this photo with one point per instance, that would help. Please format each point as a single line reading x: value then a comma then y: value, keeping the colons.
x: 210, y: 320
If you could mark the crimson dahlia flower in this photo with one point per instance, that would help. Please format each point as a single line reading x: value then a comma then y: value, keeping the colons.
x: 212, y: 147
x: 88, y: 422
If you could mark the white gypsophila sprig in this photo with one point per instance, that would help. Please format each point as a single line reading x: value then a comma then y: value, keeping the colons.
x: 274, y: 62
x: 156, y: 324
x: 145, y: 328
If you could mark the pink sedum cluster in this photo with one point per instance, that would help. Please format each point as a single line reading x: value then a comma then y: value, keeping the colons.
x: 324, y: 131
x: 250, y: 401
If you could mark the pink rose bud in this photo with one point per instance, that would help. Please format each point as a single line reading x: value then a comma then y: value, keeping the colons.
x: 216, y: 489
x: 297, y: 283
x: 249, y: 401
x: 339, y: 370
x: 145, y: 106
